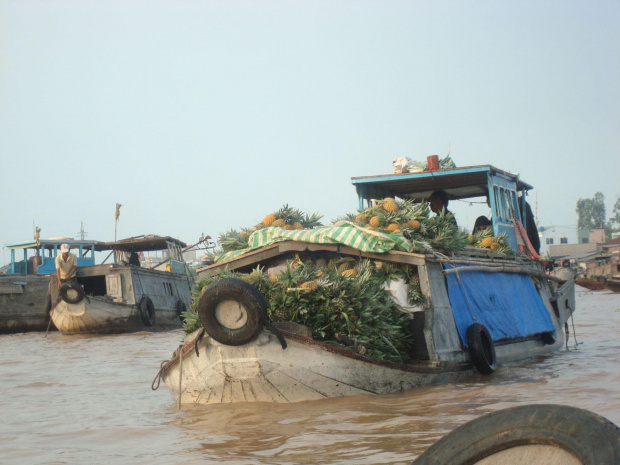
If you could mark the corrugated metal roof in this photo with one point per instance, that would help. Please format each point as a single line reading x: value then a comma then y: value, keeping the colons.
x: 144, y: 244
x: 50, y: 243
x: 465, y: 182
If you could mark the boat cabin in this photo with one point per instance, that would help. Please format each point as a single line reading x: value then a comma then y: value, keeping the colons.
x: 506, y: 192
x: 129, y: 251
x: 38, y: 256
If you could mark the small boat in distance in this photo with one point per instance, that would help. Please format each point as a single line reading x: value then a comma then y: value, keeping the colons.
x: 124, y: 296
x: 480, y: 308
x: 24, y: 295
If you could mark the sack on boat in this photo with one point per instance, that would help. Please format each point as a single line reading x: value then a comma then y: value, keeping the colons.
x: 398, y: 290
x: 400, y: 164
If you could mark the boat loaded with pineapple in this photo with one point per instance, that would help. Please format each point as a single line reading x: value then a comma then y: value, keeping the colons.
x: 386, y: 299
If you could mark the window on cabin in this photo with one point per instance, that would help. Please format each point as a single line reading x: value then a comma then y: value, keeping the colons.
x: 550, y: 241
x: 563, y: 240
x: 585, y: 240
x: 502, y: 193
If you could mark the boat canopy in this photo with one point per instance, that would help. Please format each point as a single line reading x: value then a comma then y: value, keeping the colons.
x: 506, y: 192
x: 145, y: 244
x: 44, y: 252
x: 458, y: 183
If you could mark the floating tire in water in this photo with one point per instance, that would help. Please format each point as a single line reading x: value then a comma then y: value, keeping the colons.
x: 181, y: 308
x: 147, y: 311
x: 532, y: 434
x: 71, y: 292
x: 481, y: 349
x: 232, y: 311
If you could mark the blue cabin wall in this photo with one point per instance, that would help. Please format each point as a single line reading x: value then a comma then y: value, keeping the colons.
x: 504, y: 206
x: 48, y: 259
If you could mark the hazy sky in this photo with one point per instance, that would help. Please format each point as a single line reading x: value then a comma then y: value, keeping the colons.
x: 200, y: 116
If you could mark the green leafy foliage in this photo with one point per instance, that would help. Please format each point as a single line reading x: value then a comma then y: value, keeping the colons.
x: 334, y: 303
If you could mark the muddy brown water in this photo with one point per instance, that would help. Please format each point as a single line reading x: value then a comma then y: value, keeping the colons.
x: 77, y: 400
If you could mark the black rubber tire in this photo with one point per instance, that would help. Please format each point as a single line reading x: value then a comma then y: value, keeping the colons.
x: 147, y: 311
x: 247, y: 296
x: 180, y: 308
x: 481, y: 349
x: 590, y: 437
x: 548, y: 338
x: 71, y: 286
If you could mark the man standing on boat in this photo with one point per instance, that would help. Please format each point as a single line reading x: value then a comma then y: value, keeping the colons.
x: 438, y: 201
x: 66, y: 265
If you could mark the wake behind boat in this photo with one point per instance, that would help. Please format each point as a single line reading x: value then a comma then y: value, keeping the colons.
x: 125, y: 296
x: 478, y: 307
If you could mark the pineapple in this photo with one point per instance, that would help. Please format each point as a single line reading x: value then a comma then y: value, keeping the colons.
x: 320, y: 263
x: 494, y: 246
x: 471, y: 239
x: 281, y: 313
x: 269, y: 219
x: 392, y: 227
x: 361, y: 219
x: 348, y: 273
x: 288, y: 227
x: 487, y: 242
x: 414, y: 281
x: 389, y: 205
x: 413, y: 224
x: 279, y: 223
x: 376, y: 221
x: 298, y: 225
x: 310, y: 285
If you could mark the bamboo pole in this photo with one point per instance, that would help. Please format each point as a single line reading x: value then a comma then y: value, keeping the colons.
x: 503, y: 269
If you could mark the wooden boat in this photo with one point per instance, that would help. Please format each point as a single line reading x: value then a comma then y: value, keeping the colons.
x: 123, y: 297
x: 591, y: 284
x: 480, y: 310
x: 612, y: 284
x: 24, y: 291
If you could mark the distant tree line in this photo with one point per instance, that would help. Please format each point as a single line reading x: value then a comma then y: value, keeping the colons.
x: 591, y: 214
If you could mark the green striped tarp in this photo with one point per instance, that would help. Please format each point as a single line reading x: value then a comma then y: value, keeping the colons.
x: 344, y: 232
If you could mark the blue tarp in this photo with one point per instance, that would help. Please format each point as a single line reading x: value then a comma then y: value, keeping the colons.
x: 508, y: 304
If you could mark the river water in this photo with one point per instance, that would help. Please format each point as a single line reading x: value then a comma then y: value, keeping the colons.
x: 82, y: 400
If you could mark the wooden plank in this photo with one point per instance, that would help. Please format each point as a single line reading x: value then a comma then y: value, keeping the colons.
x: 10, y: 288
x: 292, y: 389
x: 281, y: 248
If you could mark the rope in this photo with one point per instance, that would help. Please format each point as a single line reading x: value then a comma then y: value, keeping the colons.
x: 180, y: 375
x: 158, y: 376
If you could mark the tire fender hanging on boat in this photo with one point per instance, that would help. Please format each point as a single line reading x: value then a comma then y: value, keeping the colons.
x: 481, y: 348
x: 180, y: 308
x: 147, y: 311
x: 71, y: 292
x: 232, y: 311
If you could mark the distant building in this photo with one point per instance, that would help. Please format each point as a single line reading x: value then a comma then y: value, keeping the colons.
x: 589, y: 241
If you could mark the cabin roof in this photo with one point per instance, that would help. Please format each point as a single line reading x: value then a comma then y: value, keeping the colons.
x: 144, y: 244
x: 459, y: 183
x: 50, y: 243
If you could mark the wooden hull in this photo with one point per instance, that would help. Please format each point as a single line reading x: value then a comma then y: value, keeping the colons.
x: 262, y: 371
x: 613, y: 284
x: 112, y: 300
x: 590, y: 284
x: 96, y: 315
x: 23, y: 300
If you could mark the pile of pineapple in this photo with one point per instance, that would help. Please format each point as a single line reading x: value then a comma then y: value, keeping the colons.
x: 392, y: 216
x: 335, y: 296
x: 286, y: 217
x: 485, y: 239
